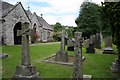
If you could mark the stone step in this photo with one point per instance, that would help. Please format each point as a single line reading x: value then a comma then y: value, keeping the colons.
x: 87, y: 77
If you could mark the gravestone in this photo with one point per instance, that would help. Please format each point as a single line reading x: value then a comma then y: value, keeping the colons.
x: 108, y: 45
x: 114, y: 67
x: 86, y: 43
x: 3, y: 56
x: 78, y: 68
x: 70, y: 44
x: 62, y: 55
x: 25, y: 70
x: 97, y: 41
x: 90, y: 48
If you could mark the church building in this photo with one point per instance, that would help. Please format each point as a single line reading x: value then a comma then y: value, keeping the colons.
x: 13, y: 16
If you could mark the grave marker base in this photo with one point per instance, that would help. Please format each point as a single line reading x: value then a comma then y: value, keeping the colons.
x: 61, y: 56
x: 26, y: 72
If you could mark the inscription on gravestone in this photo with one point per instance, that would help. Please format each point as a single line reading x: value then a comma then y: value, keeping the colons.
x: 25, y: 70
x: 77, y: 72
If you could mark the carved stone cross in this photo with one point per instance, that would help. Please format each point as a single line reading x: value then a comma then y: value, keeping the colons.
x: 78, y: 73
x: 62, y: 55
x: 63, y: 40
x: 25, y: 32
x: 25, y: 71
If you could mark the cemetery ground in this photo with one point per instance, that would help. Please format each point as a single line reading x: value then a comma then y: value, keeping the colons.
x: 97, y: 65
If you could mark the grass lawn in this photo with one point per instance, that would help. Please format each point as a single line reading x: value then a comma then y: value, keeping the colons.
x: 97, y: 65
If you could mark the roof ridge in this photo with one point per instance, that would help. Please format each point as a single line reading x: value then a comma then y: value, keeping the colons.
x: 14, y: 8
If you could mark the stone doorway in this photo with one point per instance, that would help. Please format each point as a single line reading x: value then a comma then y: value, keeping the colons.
x: 17, y: 39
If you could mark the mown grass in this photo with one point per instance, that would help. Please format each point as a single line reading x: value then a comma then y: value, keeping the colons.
x: 97, y: 65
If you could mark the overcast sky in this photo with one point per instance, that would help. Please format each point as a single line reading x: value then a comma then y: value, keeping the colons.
x: 63, y: 11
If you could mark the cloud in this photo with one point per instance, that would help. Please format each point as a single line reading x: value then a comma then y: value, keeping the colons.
x: 63, y: 11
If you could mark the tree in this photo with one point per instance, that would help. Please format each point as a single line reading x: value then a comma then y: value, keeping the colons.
x: 111, y: 11
x: 69, y: 31
x: 57, y: 27
x: 88, y: 20
x: 57, y: 30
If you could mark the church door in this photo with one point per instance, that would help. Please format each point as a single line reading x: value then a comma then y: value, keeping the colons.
x: 17, y: 39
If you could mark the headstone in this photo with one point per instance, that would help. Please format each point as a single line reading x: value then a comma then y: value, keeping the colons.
x: 108, y: 45
x: 114, y: 67
x: 78, y: 68
x: 62, y: 55
x: 25, y: 70
x: 70, y: 44
x: 86, y: 43
x: 108, y: 41
x: 3, y: 56
x: 90, y: 48
x: 97, y: 41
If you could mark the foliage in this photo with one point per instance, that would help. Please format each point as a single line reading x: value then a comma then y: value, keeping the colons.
x: 57, y: 27
x: 70, y: 32
x: 88, y: 20
x: 111, y: 11
x: 56, y: 36
x: 34, y: 37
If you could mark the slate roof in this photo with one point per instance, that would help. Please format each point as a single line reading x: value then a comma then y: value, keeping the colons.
x: 6, y: 7
x: 44, y: 23
x: 30, y: 15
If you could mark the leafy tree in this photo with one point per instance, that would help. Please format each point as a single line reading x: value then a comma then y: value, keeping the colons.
x: 69, y: 31
x: 88, y: 20
x: 57, y: 27
x: 57, y: 30
x: 111, y: 11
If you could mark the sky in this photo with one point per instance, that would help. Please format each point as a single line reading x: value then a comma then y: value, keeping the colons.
x: 62, y: 11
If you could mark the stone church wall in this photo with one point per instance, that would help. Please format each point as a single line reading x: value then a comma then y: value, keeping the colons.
x: 15, y: 16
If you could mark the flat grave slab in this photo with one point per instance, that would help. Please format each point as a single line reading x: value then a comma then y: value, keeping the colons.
x: 51, y: 60
x: 87, y: 77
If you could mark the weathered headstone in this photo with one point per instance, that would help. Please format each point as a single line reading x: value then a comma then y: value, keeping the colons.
x: 108, y: 45
x: 90, y: 48
x: 114, y: 67
x: 25, y: 70
x: 70, y: 44
x: 62, y: 55
x: 97, y: 41
x: 86, y: 43
x: 78, y: 68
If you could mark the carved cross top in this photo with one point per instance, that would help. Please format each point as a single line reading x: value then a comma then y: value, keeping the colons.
x: 25, y: 30
x: 21, y: 32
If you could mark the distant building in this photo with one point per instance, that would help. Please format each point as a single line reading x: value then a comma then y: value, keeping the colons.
x: 13, y: 16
